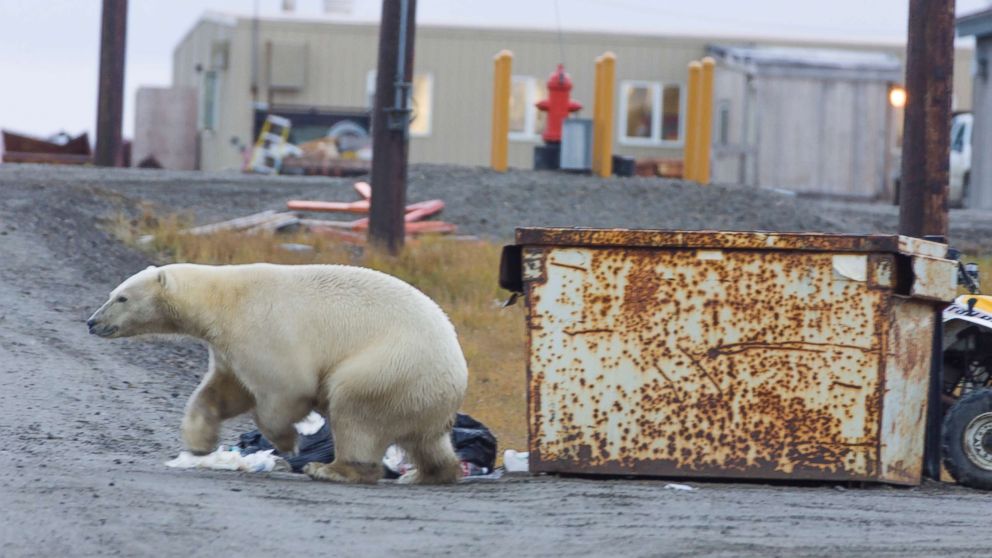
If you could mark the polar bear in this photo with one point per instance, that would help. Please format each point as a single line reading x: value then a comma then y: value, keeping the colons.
x: 373, y: 354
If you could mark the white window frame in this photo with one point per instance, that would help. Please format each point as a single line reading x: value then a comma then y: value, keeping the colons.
x: 529, y: 134
x: 655, y: 140
x: 370, y: 99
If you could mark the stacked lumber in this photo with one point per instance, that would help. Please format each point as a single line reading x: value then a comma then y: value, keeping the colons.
x: 269, y: 221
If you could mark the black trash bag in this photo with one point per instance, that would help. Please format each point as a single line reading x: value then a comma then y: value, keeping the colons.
x: 473, y: 442
x: 318, y: 446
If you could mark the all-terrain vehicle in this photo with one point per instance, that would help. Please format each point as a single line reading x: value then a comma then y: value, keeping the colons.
x: 967, y: 388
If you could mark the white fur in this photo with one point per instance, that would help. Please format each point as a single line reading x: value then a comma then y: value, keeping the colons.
x: 373, y: 353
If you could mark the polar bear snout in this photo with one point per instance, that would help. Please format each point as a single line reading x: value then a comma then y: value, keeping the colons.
x: 100, y: 329
x: 110, y: 319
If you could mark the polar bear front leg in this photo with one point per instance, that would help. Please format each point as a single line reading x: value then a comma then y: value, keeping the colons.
x: 219, y: 396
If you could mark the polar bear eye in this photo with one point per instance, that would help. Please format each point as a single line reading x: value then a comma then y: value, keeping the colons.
x: 122, y: 299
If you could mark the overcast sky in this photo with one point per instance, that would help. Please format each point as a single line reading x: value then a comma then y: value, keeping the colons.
x: 50, y: 48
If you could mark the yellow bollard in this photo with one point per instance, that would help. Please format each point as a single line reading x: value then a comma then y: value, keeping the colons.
x: 503, y: 64
x: 602, y: 155
x: 691, y: 142
x: 705, y: 137
x: 597, y: 111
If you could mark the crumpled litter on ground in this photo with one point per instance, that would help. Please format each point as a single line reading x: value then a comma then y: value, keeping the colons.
x: 516, y: 461
x: 230, y: 459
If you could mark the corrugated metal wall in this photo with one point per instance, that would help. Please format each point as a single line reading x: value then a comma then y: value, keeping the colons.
x: 822, y: 136
x: 980, y: 189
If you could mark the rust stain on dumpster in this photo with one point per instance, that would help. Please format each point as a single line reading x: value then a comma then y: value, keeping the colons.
x: 702, y: 359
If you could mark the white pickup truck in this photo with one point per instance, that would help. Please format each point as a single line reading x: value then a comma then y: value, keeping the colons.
x: 960, y: 158
x: 960, y: 171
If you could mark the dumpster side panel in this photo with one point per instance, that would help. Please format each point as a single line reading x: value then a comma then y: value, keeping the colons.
x: 904, y: 405
x: 705, y: 362
x: 934, y: 279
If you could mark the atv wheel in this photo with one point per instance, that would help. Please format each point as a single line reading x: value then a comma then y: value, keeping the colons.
x: 967, y: 440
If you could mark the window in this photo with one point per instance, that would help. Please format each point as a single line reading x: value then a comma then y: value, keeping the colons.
x: 208, y: 101
x: 650, y: 113
x: 724, y: 138
x: 640, y: 111
x: 421, y: 102
x: 671, y: 109
x: 526, y: 121
x: 519, y: 106
x: 423, y: 94
x: 957, y: 135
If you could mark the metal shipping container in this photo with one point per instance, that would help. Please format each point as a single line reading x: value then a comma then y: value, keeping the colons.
x: 729, y: 354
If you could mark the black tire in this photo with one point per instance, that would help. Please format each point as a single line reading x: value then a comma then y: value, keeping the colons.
x: 967, y: 440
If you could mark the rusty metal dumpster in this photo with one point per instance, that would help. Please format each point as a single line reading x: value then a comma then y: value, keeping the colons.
x: 726, y: 354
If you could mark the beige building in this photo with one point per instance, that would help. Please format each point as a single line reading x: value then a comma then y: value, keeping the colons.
x: 979, y: 191
x: 326, y: 70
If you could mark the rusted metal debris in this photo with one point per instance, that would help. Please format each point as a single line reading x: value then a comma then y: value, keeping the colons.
x: 758, y: 355
x: 20, y: 148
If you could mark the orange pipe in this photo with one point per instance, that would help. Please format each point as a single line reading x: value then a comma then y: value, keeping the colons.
x: 364, y: 190
x: 430, y: 227
x: 412, y: 228
x: 418, y: 211
x: 361, y: 206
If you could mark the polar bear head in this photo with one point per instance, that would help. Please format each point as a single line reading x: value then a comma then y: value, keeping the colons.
x: 137, y: 306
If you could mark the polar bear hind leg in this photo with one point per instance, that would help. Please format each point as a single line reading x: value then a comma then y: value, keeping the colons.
x: 358, y: 452
x: 433, y: 458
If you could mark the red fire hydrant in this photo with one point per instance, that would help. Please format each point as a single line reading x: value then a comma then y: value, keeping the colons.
x: 558, y: 104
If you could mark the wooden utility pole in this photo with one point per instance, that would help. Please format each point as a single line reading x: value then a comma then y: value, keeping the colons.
x: 925, y: 168
x: 391, y: 123
x: 927, y: 128
x: 110, y: 103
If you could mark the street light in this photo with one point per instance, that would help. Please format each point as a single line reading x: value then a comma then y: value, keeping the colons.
x: 897, y: 96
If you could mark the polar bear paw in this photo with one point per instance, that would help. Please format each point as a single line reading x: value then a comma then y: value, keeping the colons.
x: 413, y: 476
x: 409, y: 477
x: 323, y: 472
x: 344, y: 472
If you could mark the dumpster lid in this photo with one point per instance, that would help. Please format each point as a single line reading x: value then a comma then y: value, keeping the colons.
x: 740, y: 240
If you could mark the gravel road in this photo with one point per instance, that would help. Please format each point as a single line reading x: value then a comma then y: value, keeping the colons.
x: 87, y: 424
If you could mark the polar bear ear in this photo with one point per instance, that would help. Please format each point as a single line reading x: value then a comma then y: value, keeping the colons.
x: 162, y: 279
